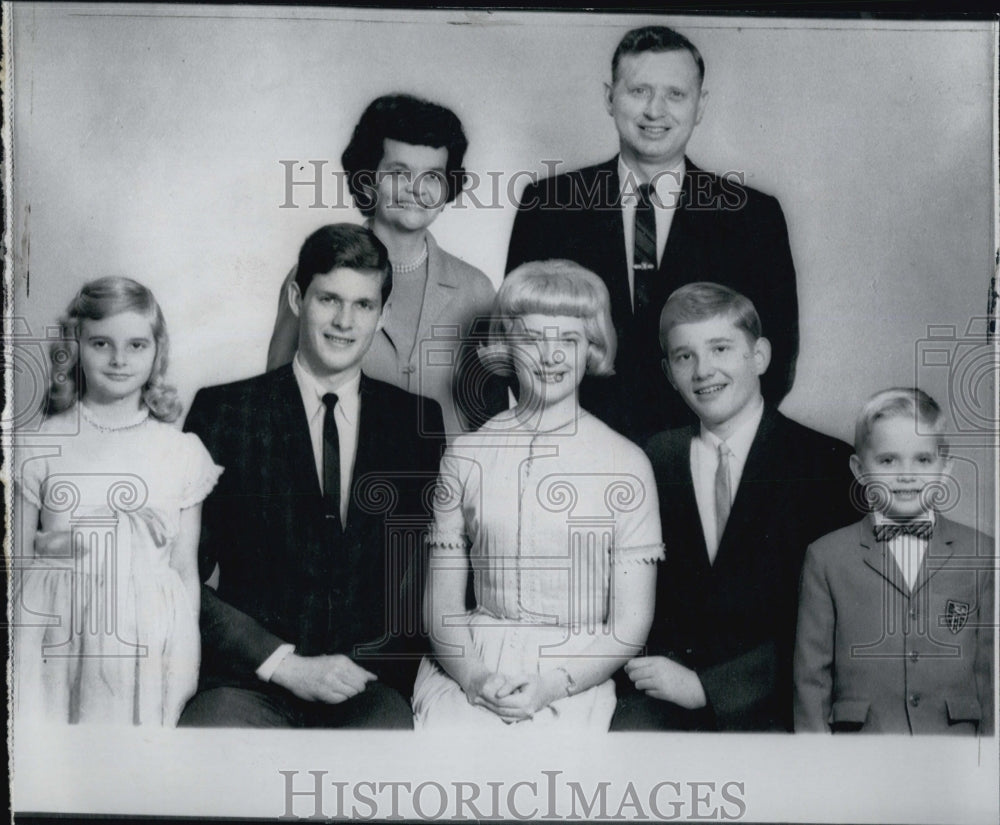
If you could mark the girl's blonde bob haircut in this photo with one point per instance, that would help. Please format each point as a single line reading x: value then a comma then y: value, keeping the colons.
x: 558, y: 287
x: 95, y: 301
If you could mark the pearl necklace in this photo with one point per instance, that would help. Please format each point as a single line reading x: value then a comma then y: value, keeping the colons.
x: 410, y: 266
x: 129, y: 424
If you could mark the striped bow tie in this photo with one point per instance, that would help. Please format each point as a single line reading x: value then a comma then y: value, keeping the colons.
x: 922, y: 529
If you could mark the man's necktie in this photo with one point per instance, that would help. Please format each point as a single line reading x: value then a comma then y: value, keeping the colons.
x: 331, y: 457
x: 644, y: 254
x: 723, y: 495
x: 921, y: 528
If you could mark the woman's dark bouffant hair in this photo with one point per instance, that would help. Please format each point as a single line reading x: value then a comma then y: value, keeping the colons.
x: 95, y: 301
x: 407, y: 119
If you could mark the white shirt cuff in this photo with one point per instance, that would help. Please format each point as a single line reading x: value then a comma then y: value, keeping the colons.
x: 266, y: 670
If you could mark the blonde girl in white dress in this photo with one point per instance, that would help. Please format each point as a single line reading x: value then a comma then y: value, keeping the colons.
x: 555, y: 514
x: 107, y: 517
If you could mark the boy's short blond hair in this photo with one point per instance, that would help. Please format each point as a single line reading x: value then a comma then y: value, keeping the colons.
x: 704, y: 300
x: 900, y: 402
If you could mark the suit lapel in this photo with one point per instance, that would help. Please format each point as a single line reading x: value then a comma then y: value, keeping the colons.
x: 392, y: 333
x: 605, y: 192
x: 680, y: 228
x: 442, y: 288
x: 290, y: 428
x: 365, y: 458
x: 686, y: 511
x: 878, y: 556
x: 748, y: 501
x: 939, y: 550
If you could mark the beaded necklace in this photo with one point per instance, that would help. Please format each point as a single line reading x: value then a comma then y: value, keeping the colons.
x: 128, y: 424
x: 410, y: 266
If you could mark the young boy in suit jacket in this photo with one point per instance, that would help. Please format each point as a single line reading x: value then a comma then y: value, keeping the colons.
x: 741, y: 496
x: 895, y: 630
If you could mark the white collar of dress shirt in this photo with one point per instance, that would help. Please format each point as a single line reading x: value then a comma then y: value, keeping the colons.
x: 667, y: 183
x: 347, y: 386
x: 741, y: 439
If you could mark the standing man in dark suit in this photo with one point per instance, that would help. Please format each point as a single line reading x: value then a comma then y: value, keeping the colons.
x: 649, y: 221
x: 325, y: 473
x: 742, y: 494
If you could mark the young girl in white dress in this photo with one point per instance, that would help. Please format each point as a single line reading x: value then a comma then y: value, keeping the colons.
x: 107, y: 519
x: 557, y: 516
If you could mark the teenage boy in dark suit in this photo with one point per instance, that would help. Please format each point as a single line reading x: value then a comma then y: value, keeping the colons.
x: 741, y: 496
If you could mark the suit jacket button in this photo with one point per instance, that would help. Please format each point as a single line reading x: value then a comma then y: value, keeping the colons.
x: 914, y: 699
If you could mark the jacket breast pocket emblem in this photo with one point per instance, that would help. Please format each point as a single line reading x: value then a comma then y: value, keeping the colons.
x: 956, y: 615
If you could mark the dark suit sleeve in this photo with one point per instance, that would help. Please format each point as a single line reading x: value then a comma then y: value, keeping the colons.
x: 527, y: 237
x: 770, y: 258
x: 227, y: 633
x: 739, y: 686
x: 833, y: 505
x: 411, y: 589
x: 232, y: 635
x: 433, y: 442
x: 426, y: 443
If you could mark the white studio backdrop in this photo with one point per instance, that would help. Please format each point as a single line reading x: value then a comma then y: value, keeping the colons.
x: 149, y: 140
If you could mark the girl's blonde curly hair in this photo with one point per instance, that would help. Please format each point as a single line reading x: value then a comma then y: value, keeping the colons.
x: 95, y: 301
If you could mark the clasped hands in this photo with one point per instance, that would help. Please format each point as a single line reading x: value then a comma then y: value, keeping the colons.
x: 515, y: 698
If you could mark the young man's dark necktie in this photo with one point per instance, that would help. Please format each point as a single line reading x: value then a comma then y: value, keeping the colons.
x: 331, y: 458
x: 644, y: 254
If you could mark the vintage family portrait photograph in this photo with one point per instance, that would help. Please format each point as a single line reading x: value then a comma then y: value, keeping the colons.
x: 490, y: 414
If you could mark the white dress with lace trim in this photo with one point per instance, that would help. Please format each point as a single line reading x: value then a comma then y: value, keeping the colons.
x: 105, y: 630
x: 546, y: 518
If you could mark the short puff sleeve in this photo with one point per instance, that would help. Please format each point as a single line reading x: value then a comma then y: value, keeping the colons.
x: 638, y: 537
x: 201, y: 473
x: 448, y: 531
x: 31, y: 470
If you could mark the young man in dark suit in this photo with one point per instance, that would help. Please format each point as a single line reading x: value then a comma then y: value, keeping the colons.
x: 322, y: 499
x: 741, y: 496
x: 649, y: 221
